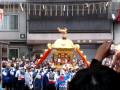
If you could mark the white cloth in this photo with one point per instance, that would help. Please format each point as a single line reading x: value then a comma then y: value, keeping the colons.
x: 19, y: 75
x: 28, y: 79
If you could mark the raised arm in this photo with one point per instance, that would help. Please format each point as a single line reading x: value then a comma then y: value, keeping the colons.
x: 103, y: 51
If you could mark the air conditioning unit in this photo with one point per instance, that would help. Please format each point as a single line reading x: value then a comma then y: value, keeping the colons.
x: 22, y: 36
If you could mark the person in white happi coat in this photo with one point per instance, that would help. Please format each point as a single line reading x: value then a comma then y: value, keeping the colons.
x: 20, y: 76
x: 28, y: 79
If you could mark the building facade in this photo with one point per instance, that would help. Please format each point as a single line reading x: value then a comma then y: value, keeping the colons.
x: 32, y: 24
x: 116, y: 22
x: 88, y: 22
x: 13, y: 28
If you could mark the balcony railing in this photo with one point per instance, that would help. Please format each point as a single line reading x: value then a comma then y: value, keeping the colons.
x: 101, y: 7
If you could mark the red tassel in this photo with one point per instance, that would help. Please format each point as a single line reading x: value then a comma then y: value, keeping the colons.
x: 83, y: 58
x: 44, y: 57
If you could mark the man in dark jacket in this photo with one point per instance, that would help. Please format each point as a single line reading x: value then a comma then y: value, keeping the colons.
x: 97, y: 76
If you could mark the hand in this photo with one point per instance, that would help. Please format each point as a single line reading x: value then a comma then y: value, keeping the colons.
x: 103, y: 51
x: 116, y: 62
x: 117, y: 55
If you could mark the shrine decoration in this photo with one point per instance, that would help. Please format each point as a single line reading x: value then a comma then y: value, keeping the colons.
x: 62, y: 50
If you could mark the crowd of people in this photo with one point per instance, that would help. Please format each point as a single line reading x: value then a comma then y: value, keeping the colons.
x: 103, y: 74
x: 26, y: 75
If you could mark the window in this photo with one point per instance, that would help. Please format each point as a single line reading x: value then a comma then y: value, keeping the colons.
x: 9, y: 23
x: 13, y: 52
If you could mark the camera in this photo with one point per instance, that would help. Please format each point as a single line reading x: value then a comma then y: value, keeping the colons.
x: 113, y: 49
x: 110, y: 59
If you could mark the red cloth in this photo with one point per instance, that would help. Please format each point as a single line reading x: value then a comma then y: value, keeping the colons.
x: 51, y: 82
x: 118, y: 17
x: 61, y: 78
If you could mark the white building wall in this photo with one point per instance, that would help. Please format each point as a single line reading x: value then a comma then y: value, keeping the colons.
x: 15, y: 35
x: 45, y: 38
x: 115, y: 7
x: 116, y: 0
x: 117, y: 34
x: 11, y: 1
